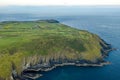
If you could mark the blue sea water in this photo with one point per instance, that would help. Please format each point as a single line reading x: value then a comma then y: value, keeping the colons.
x: 107, y: 27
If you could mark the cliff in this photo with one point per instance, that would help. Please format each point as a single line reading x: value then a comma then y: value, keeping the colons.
x: 30, y: 46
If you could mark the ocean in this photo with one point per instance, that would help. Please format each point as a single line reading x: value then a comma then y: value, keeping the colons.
x: 107, y: 27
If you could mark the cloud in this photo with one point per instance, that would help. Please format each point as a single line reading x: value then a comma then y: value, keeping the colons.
x: 58, y: 2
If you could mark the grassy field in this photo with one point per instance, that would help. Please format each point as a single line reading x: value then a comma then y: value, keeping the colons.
x: 19, y: 40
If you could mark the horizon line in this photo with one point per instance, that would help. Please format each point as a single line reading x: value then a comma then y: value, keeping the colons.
x: 54, y: 5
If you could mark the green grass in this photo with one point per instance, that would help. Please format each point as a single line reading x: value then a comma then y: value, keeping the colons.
x: 19, y: 40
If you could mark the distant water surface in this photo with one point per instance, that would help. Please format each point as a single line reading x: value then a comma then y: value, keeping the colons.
x: 107, y: 27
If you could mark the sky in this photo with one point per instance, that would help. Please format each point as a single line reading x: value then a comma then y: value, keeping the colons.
x: 57, y: 2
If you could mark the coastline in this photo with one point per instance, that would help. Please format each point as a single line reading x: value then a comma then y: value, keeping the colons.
x: 31, y: 71
x: 30, y: 76
x: 28, y: 73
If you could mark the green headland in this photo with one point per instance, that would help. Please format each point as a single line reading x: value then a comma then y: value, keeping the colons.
x: 25, y: 44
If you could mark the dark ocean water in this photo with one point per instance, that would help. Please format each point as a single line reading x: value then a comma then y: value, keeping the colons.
x: 107, y: 27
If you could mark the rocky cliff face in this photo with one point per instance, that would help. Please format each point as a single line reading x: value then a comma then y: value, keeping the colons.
x: 38, y: 63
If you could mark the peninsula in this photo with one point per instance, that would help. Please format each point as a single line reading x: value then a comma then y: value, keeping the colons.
x: 27, y: 47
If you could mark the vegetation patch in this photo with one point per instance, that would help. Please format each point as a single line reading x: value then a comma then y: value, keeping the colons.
x: 20, y: 40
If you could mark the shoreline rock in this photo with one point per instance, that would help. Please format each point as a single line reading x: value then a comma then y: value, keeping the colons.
x: 31, y: 70
x: 35, y: 70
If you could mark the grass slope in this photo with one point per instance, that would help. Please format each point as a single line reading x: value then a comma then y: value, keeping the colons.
x: 19, y: 40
